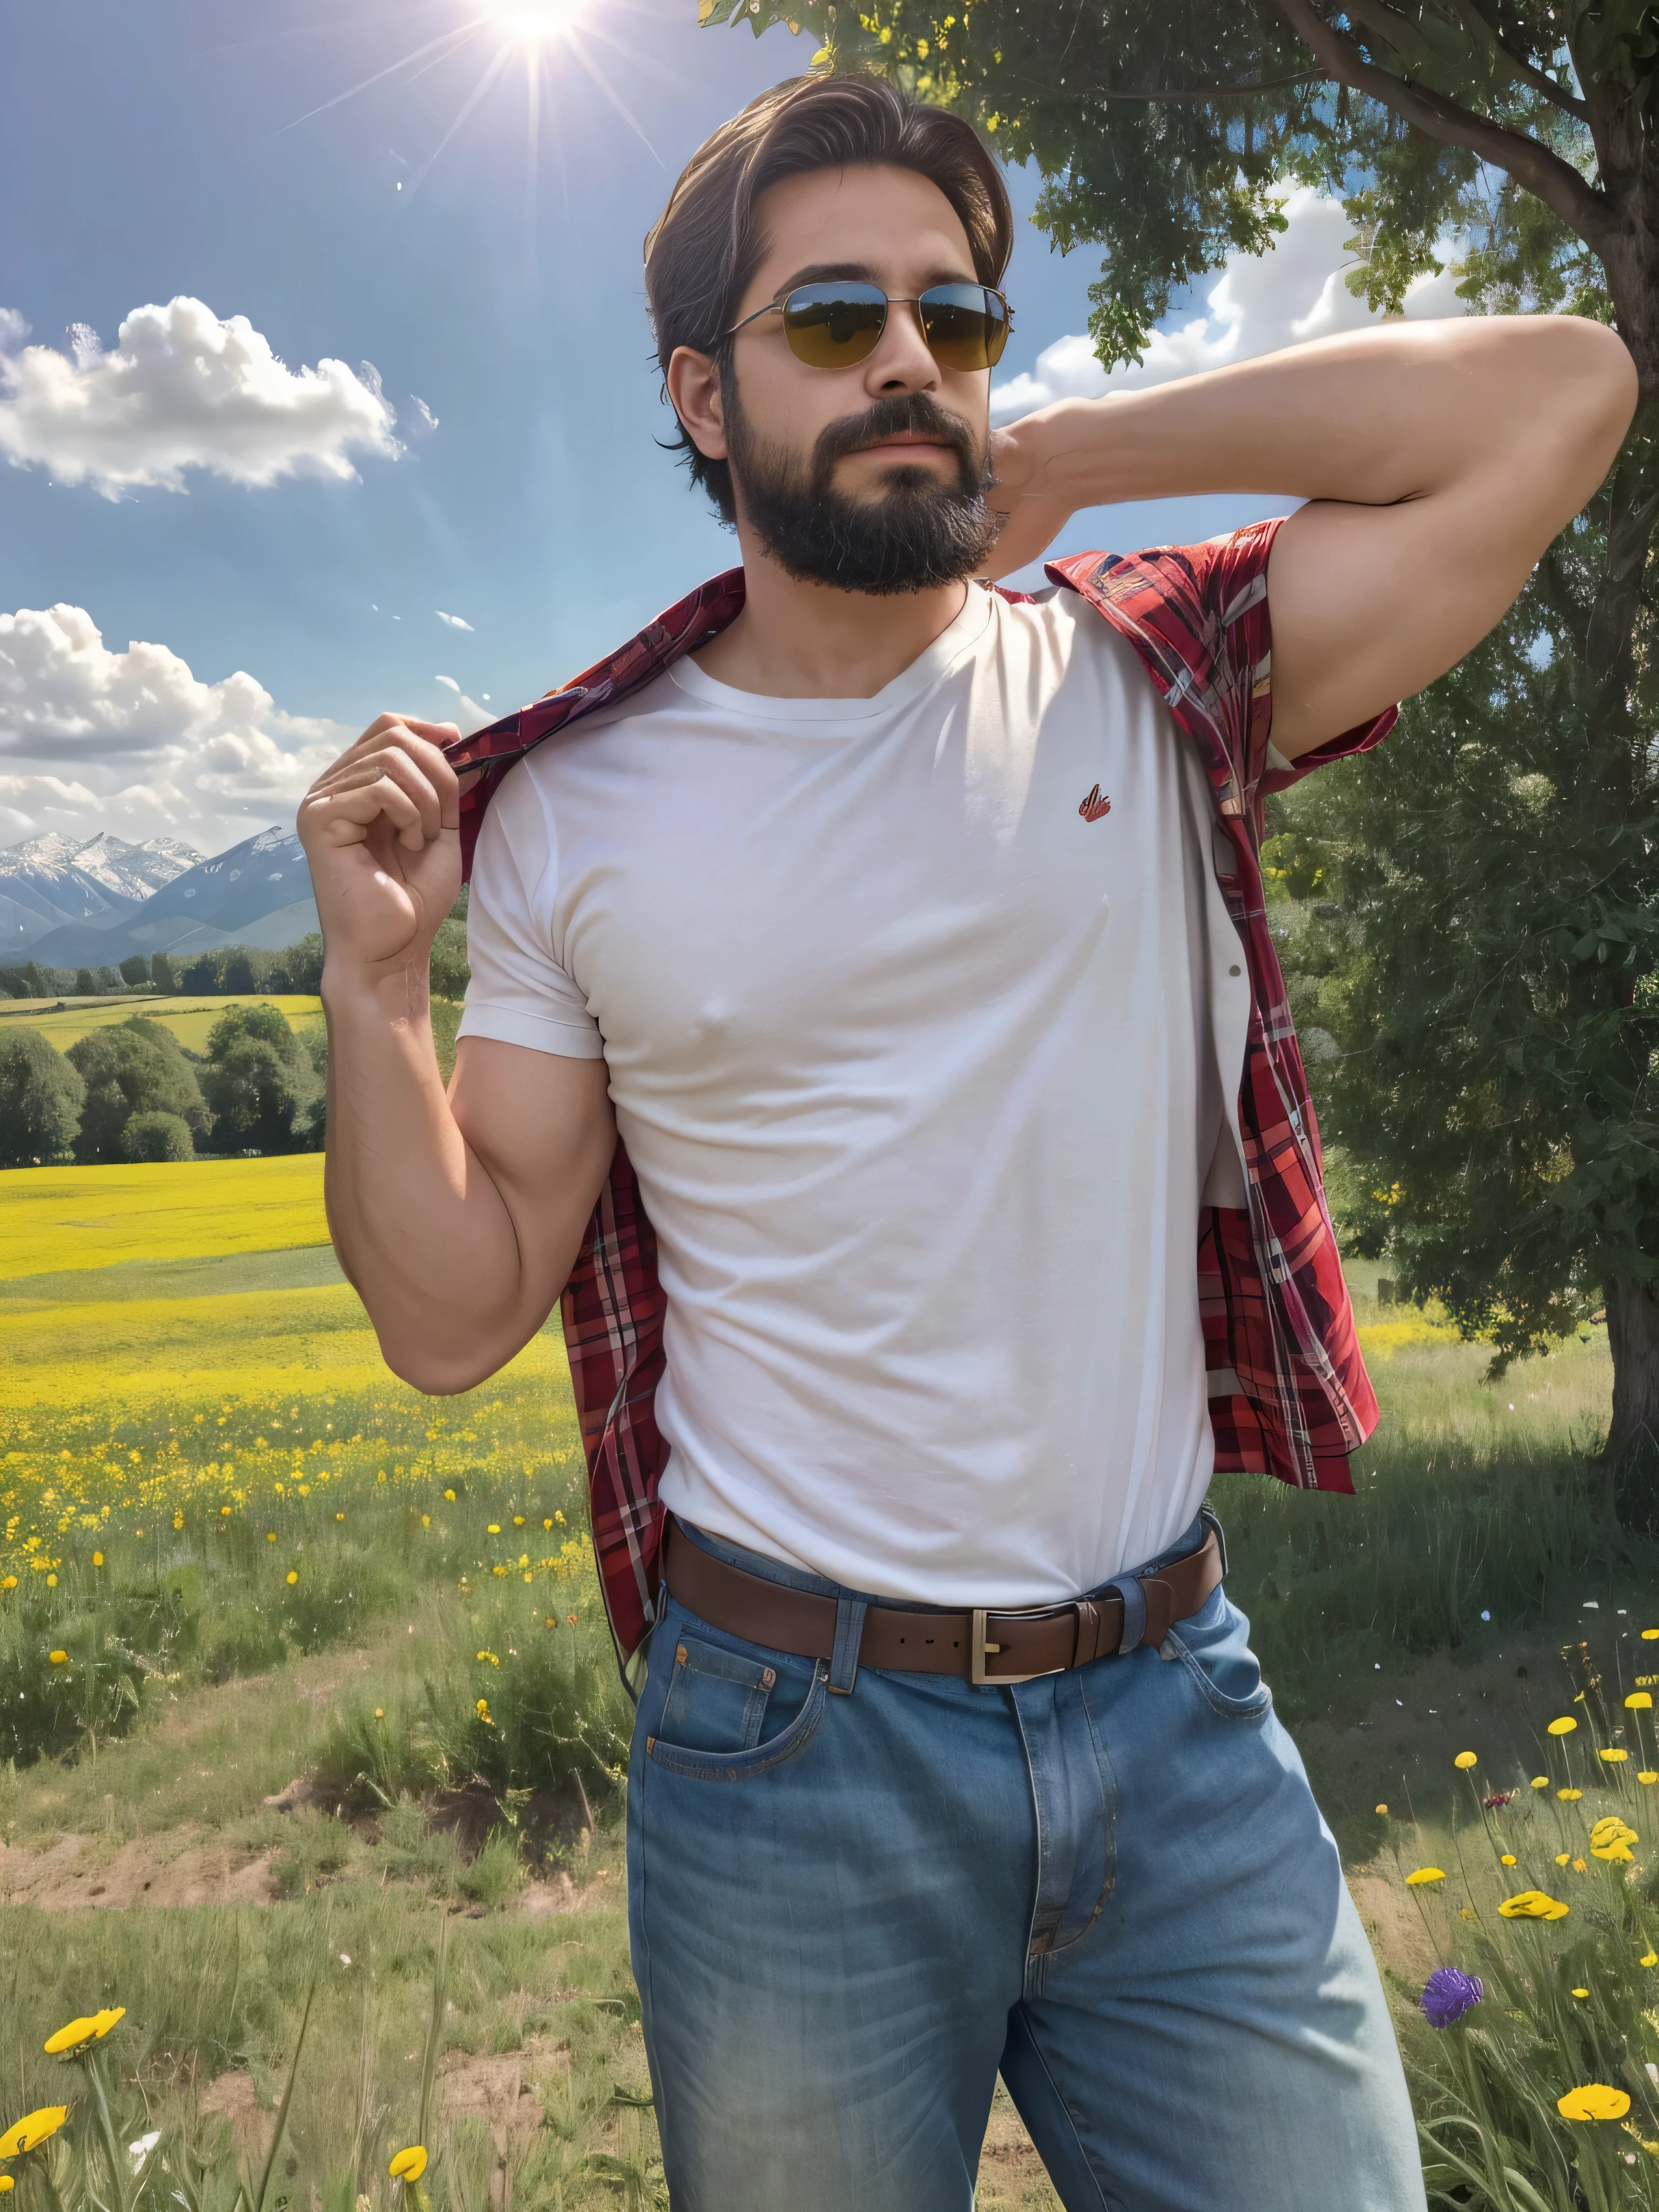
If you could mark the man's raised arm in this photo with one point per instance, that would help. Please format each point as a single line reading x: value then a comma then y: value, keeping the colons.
x: 457, y: 1218
x: 1439, y: 459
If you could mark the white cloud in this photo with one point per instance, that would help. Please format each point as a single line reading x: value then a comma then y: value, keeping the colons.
x: 471, y: 716
x: 135, y: 743
x: 422, y: 422
x: 181, y: 391
x: 454, y: 621
x: 1260, y: 303
x: 449, y: 684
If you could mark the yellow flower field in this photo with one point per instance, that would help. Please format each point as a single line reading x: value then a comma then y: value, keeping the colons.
x: 189, y: 1017
x: 52, y: 1218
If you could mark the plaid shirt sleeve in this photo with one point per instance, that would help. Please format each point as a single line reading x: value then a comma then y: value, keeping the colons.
x: 1289, y: 1394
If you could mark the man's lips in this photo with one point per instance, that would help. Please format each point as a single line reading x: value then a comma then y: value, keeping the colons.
x: 907, y: 442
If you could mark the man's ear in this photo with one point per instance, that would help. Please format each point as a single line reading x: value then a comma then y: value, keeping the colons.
x: 694, y: 393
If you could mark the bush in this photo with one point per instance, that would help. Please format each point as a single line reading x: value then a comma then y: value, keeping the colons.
x: 261, y: 1083
x: 41, y: 1096
x: 162, y: 972
x: 137, y: 1067
x: 134, y: 968
x: 202, y: 974
x: 157, y: 1136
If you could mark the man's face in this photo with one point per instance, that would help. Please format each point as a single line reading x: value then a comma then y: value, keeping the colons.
x: 870, y: 477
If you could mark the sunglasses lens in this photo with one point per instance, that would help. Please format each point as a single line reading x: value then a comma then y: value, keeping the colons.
x: 966, y: 325
x: 835, y: 325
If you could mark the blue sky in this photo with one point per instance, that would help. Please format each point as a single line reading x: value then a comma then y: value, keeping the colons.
x: 171, y: 149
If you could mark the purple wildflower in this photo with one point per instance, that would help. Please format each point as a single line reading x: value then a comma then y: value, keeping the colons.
x: 1447, y: 1995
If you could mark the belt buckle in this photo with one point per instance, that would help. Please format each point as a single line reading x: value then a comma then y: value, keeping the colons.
x: 978, y: 1650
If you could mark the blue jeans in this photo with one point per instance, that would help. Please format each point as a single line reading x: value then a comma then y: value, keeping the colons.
x: 848, y: 1913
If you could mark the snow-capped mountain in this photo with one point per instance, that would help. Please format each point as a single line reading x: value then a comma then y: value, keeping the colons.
x: 257, y: 893
x: 54, y: 881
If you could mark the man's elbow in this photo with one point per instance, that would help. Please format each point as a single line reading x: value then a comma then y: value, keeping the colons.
x: 442, y: 1371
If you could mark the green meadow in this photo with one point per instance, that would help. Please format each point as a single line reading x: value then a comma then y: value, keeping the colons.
x: 312, y: 1744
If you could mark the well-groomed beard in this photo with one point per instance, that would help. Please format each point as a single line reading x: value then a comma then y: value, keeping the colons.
x: 915, y: 532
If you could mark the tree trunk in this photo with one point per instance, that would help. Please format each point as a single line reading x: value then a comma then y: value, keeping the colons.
x: 1633, y: 1438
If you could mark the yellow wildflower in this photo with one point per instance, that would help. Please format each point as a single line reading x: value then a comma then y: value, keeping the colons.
x: 1424, y: 1875
x: 1565, y: 1726
x: 410, y: 2164
x: 1651, y: 1959
x: 58, y: 1658
x: 293, y: 1577
x: 1533, y: 1905
x: 97, y: 1559
x: 1465, y: 1759
x: 1383, y: 1810
x: 495, y: 1528
x: 28, y: 2133
x: 1595, y: 2101
x: 1648, y: 1778
x: 71, y: 2038
x: 1541, y: 1781
x: 1614, y: 1757
x: 1507, y: 1859
x: 1570, y: 1796
x: 1581, y: 1993
x: 1638, y: 1702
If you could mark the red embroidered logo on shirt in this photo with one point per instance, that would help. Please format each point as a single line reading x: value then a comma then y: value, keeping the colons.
x: 1095, y: 805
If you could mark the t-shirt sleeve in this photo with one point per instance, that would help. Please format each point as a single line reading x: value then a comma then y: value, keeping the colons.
x: 518, y: 993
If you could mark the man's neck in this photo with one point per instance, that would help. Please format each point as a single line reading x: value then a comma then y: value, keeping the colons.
x: 801, y: 641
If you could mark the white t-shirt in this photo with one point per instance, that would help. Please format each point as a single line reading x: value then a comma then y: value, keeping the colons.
x: 922, y: 1055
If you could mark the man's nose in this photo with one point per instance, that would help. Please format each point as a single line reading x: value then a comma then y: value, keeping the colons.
x: 902, y: 362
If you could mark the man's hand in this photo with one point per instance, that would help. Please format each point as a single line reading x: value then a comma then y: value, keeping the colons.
x: 1031, y: 511
x: 381, y: 830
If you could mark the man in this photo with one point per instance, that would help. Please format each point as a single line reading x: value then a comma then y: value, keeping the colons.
x: 910, y: 936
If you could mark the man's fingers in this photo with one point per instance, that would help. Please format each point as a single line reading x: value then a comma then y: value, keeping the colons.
x: 363, y: 804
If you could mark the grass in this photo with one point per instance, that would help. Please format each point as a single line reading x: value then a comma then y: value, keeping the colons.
x: 53, y: 1219
x: 189, y: 1017
x: 191, y: 1420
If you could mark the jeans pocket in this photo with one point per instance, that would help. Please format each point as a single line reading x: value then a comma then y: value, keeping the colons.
x: 710, y: 1727
x: 1215, y: 1646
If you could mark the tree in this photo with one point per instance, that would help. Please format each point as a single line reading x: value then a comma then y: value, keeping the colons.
x: 202, y: 974
x: 41, y: 1096
x: 135, y: 1068
x: 157, y: 1136
x: 160, y: 972
x: 237, y: 975
x: 1528, y: 1144
x: 304, y: 964
x: 262, y: 1082
x: 84, y: 986
x: 135, y: 970
x: 449, y: 972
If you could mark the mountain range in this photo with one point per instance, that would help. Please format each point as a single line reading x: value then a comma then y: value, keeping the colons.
x: 73, y: 904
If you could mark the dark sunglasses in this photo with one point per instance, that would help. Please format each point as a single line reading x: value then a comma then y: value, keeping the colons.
x: 837, y: 324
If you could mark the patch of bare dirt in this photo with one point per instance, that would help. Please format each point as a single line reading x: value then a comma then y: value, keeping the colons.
x: 1010, y: 2170
x: 172, y: 1869
x: 232, y: 2099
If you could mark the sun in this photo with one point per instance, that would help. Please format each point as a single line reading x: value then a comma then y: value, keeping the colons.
x: 534, y: 23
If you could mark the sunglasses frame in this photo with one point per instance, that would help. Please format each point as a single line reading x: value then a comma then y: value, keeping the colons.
x: 781, y: 308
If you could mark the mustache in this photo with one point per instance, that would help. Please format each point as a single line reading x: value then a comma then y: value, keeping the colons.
x: 914, y: 411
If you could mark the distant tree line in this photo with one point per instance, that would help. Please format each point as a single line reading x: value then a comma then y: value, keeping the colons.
x: 133, y: 1092
x: 227, y: 971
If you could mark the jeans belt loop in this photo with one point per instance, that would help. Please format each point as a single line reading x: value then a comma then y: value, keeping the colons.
x: 1134, y: 1611
x: 849, y: 1634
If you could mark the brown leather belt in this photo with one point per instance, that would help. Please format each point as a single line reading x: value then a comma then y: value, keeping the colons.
x: 988, y: 1645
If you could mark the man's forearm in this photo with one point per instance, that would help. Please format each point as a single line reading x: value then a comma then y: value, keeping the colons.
x: 1371, y: 417
x: 420, y: 1229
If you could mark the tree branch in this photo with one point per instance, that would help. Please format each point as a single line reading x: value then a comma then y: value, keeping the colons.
x: 1519, y: 67
x: 1545, y: 174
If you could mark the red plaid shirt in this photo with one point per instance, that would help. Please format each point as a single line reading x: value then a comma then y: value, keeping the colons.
x: 1289, y: 1392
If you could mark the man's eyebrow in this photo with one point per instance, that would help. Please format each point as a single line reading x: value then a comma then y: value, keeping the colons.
x: 861, y: 272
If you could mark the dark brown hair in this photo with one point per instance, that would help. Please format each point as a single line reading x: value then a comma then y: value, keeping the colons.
x: 706, y: 245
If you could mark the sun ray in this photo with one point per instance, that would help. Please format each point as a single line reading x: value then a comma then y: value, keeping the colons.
x: 446, y: 43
